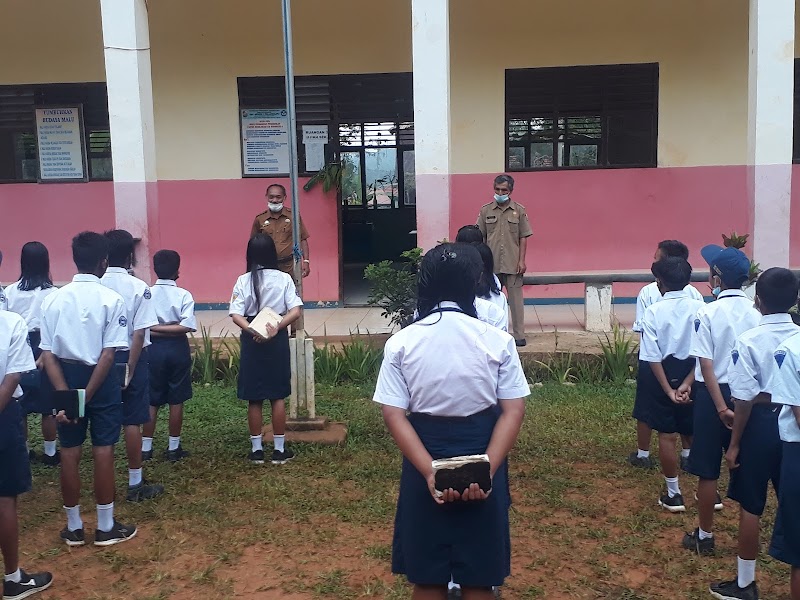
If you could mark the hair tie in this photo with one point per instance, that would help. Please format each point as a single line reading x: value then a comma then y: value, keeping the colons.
x: 448, y: 256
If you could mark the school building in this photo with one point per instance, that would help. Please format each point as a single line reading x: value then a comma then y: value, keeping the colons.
x: 624, y: 122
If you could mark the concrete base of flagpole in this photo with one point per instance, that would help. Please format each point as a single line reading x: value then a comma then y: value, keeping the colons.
x: 332, y: 434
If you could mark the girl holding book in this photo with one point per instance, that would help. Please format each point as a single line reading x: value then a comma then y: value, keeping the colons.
x: 436, y: 405
x: 265, y: 372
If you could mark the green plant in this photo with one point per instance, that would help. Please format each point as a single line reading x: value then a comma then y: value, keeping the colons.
x: 735, y: 241
x: 559, y: 366
x: 589, y: 370
x: 360, y: 360
x: 617, y: 355
x: 330, y: 176
x: 394, y: 286
x: 229, y: 369
x: 206, y: 358
x: 328, y: 365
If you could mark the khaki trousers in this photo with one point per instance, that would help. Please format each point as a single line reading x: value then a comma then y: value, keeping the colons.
x: 513, y: 285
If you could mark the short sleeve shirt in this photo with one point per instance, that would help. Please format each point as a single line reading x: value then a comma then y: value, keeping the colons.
x: 279, y: 228
x: 649, y: 295
x: 27, y: 303
x: 786, y: 387
x: 502, y: 228
x: 276, y: 291
x: 667, y: 327
x: 138, y: 298
x: 15, y: 352
x: 173, y: 305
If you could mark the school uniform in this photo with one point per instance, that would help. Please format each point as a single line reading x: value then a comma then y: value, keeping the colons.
x: 500, y: 301
x: 140, y: 314
x: 453, y: 407
x: 3, y: 301
x: 667, y: 329
x: 785, y: 544
x: 752, y: 366
x: 78, y: 322
x: 489, y: 312
x: 264, y: 371
x: 716, y: 328
x: 15, y: 357
x: 170, y: 355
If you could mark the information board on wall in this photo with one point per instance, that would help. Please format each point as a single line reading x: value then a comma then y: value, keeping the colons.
x: 265, y: 141
x: 60, y: 144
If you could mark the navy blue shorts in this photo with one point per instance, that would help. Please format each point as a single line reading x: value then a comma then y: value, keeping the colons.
x: 136, y: 397
x: 760, y: 455
x: 103, y: 415
x: 15, y: 466
x: 786, y: 535
x: 711, y: 437
x: 170, y: 370
x: 644, y: 386
x: 663, y: 414
x: 35, y: 384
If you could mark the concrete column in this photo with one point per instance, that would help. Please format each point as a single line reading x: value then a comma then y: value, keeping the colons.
x: 126, y: 41
x: 431, y: 57
x: 770, y: 118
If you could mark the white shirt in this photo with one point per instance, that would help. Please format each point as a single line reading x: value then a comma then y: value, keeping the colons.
x: 451, y: 365
x: 3, y: 301
x: 83, y: 318
x: 27, y: 304
x: 500, y: 301
x: 668, y: 326
x: 786, y: 387
x: 173, y: 305
x: 15, y: 352
x: 753, y: 357
x: 489, y: 312
x: 139, y: 309
x: 716, y: 328
x: 649, y: 295
x: 276, y: 289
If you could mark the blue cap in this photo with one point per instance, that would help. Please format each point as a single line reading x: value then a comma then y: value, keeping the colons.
x: 731, y: 265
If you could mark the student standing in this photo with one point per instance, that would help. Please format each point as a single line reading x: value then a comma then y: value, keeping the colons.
x: 83, y: 325
x: 667, y: 330
x: 25, y: 298
x: 170, y: 355
x: 715, y: 331
x: 265, y: 371
x: 489, y: 286
x: 432, y: 413
x: 15, y: 470
x: 754, y: 454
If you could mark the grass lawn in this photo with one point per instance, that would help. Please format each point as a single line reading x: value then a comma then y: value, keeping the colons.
x: 584, y: 524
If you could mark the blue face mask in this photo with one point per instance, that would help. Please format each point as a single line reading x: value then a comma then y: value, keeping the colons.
x: 502, y: 199
x: 716, y: 291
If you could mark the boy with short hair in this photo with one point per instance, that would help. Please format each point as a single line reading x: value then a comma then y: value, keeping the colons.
x: 140, y: 316
x: 170, y: 356
x: 667, y: 329
x: 83, y: 325
x: 648, y: 296
x: 754, y: 454
x: 15, y: 471
x: 715, y: 331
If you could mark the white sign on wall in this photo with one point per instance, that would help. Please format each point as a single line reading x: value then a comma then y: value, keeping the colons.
x: 265, y: 141
x: 59, y: 134
x: 314, y: 138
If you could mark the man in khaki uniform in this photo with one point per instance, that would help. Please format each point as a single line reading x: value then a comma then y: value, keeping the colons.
x: 505, y: 227
x: 276, y: 222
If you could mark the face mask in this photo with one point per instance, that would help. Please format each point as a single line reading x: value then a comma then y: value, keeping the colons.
x: 716, y: 291
x: 275, y: 207
x: 501, y: 199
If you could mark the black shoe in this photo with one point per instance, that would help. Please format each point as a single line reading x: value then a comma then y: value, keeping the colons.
x: 28, y: 585
x: 147, y: 455
x: 51, y: 461
x: 144, y: 491
x: 685, y: 464
x: 281, y: 458
x: 642, y: 462
x: 674, y: 504
x: 520, y: 343
x: 176, y: 455
x: 119, y: 533
x: 256, y: 457
x: 730, y: 590
x: 73, y: 538
x: 454, y: 593
x: 692, y: 541
x: 32, y: 457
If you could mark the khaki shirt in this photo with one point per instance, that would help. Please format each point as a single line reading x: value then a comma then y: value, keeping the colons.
x: 502, y: 228
x: 279, y: 228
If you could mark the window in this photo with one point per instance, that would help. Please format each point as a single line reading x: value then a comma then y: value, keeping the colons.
x: 18, y: 152
x: 581, y: 117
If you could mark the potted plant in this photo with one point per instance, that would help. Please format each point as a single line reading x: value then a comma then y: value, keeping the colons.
x: 739, y: 241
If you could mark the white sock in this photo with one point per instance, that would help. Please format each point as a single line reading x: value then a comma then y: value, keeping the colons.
x: 704, y: 535
x: 672, y: 486
x: 685, y: 452
x: 746, y: 571
x: 134, y: 477
x: 27, y: 446
x: 255, y: 442
x: 50, y: 448
x: 453, y: 585
x: 74, y: 521
x: 105, y: 516
x: 174, y: 442
x: 147, y: 444
x: 14, y: 577
x: 642, y: 453
x: 279, y: 441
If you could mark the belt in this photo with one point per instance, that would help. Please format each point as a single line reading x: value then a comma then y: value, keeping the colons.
x: 71, y: 361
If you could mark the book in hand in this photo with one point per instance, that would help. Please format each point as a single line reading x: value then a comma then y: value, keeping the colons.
x: 123, y: 373
x: 72, y: 402
x: 267, y: 316
x: 460, y: 472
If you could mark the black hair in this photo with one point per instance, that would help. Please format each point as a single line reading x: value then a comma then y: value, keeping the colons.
x: 277, y: 185
x: 505, y: 179
x: 121, y: 245
x: 487, y: 284
x: 448, y: 272
x: 261, y: 254
x: 674, y: 272
x: 469, y: 234
x: 777, y: 289
x: 1, y: 257
x: 89, y: 249
x: 674, y: 248
x: 166, y: 263
x: 34, y: 264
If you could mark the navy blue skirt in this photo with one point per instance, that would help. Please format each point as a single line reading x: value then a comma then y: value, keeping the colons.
x: 265, y: 371
x: 35, y: 385
x: 469, y: 540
